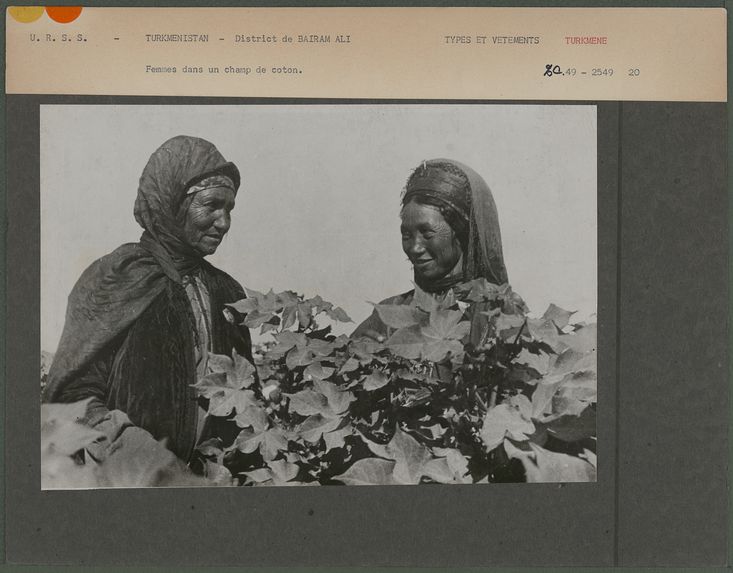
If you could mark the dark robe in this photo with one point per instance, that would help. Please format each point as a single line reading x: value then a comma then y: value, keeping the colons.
x: 147, y: 369
x: 129, y: 337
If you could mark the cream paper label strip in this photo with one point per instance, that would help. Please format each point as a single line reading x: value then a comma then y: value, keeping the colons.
x: 655, y: 54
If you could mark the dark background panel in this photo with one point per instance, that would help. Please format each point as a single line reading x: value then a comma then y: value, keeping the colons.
x: 512, y: 524
x: 673, y: 415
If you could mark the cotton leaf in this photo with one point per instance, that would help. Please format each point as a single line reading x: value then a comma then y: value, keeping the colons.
x: 540, y: 362
x: 364, y: 350
x: 260, y: 475
x: 252, y: 416
x: 410, y: 457
x: 508, y: 325
x: 282, y: 471
x: 424, y: 301
x: 438, y: 470
x: 590, y: 457
x: 438, y: 350
x: 502, y: 420
x: 581, y: 385
x: 223, y: 398
x: 315, y: 426
x: 210, y: 448
x: 457, y: 462
x: 308, y: 402
x: 248, y: 441
x: 218, y: 474
x: 265, y: 302
x: 369, y: 471
x: 436, y: 430
x: 269, y: 326
x: 299, y: 357
x: 400, y: 315
x: 318, y: 303
x: 575, y: 392
x: 375, y: 380
x: 521, y: 403
x: 558, y: 315
x: 447, y: 300
x: 446, y: 324
x: 552, y: 467
x: 570, y: 360
x: 141, y: 461
x: 583, y: 340
x: 212, y: 384
x: 320, y: 347
x: 224, y: 402
x: 269, y: 442
x: 287, y: 340
x: 450, y: 467
x: 407, y: 342
x: 377, y: 449
x: 335, y: 438
x: 515, y: 453
x: 244, y: 306
x: 257, y: 318
x: 340, y: 341
x: 542, y: 398
x: 289, y: 316
x: 544, y: 330
x: 574, y: 428
x: 338, y: 314
x: 286, y: 298
x: 316, y: 371
x: 305, y: 314
x: 239, y: 371
x: 338, y: 400
x: 349, y: 366
x: 479, y: 290
x: 443, y: 335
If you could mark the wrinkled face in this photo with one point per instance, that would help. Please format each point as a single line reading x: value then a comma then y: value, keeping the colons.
x: 208, y: 219
x: 429, y: 241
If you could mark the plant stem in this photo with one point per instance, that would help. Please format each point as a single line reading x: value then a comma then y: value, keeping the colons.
x: 492, y: 398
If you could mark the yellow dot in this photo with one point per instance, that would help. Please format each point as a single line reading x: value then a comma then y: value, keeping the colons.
x: 26, y: 14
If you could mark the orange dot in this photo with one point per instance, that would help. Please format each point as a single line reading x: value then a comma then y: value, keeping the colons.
x: 63, y: 14
x: 26, y: 14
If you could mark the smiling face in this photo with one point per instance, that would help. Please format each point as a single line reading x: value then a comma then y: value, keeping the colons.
x: 208, y: 218
x: 429, y: 242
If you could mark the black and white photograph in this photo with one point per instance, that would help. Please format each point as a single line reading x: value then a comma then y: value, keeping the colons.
x: 318, y: 294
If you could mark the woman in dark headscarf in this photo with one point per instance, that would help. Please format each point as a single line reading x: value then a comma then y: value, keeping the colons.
x: 450, y: 234
x: 141, y: 321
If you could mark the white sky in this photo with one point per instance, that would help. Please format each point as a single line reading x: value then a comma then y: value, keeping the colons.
x: 318, y: 208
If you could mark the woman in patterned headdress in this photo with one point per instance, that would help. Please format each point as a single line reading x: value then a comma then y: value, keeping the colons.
x: 450, y: 234
x: 142, y: 320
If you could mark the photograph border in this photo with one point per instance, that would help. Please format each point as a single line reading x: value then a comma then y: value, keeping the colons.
x: 9, y: 120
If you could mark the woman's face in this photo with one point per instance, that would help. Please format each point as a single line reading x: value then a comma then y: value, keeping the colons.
x: 208, y: 219
x: 429, y: 241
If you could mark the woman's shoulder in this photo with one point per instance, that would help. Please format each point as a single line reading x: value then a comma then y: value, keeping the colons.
x: 114, y: 262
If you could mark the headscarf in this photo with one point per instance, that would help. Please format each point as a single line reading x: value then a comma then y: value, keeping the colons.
x: 181, y: 165
x: 458, y: 188
x: 115, y: 290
